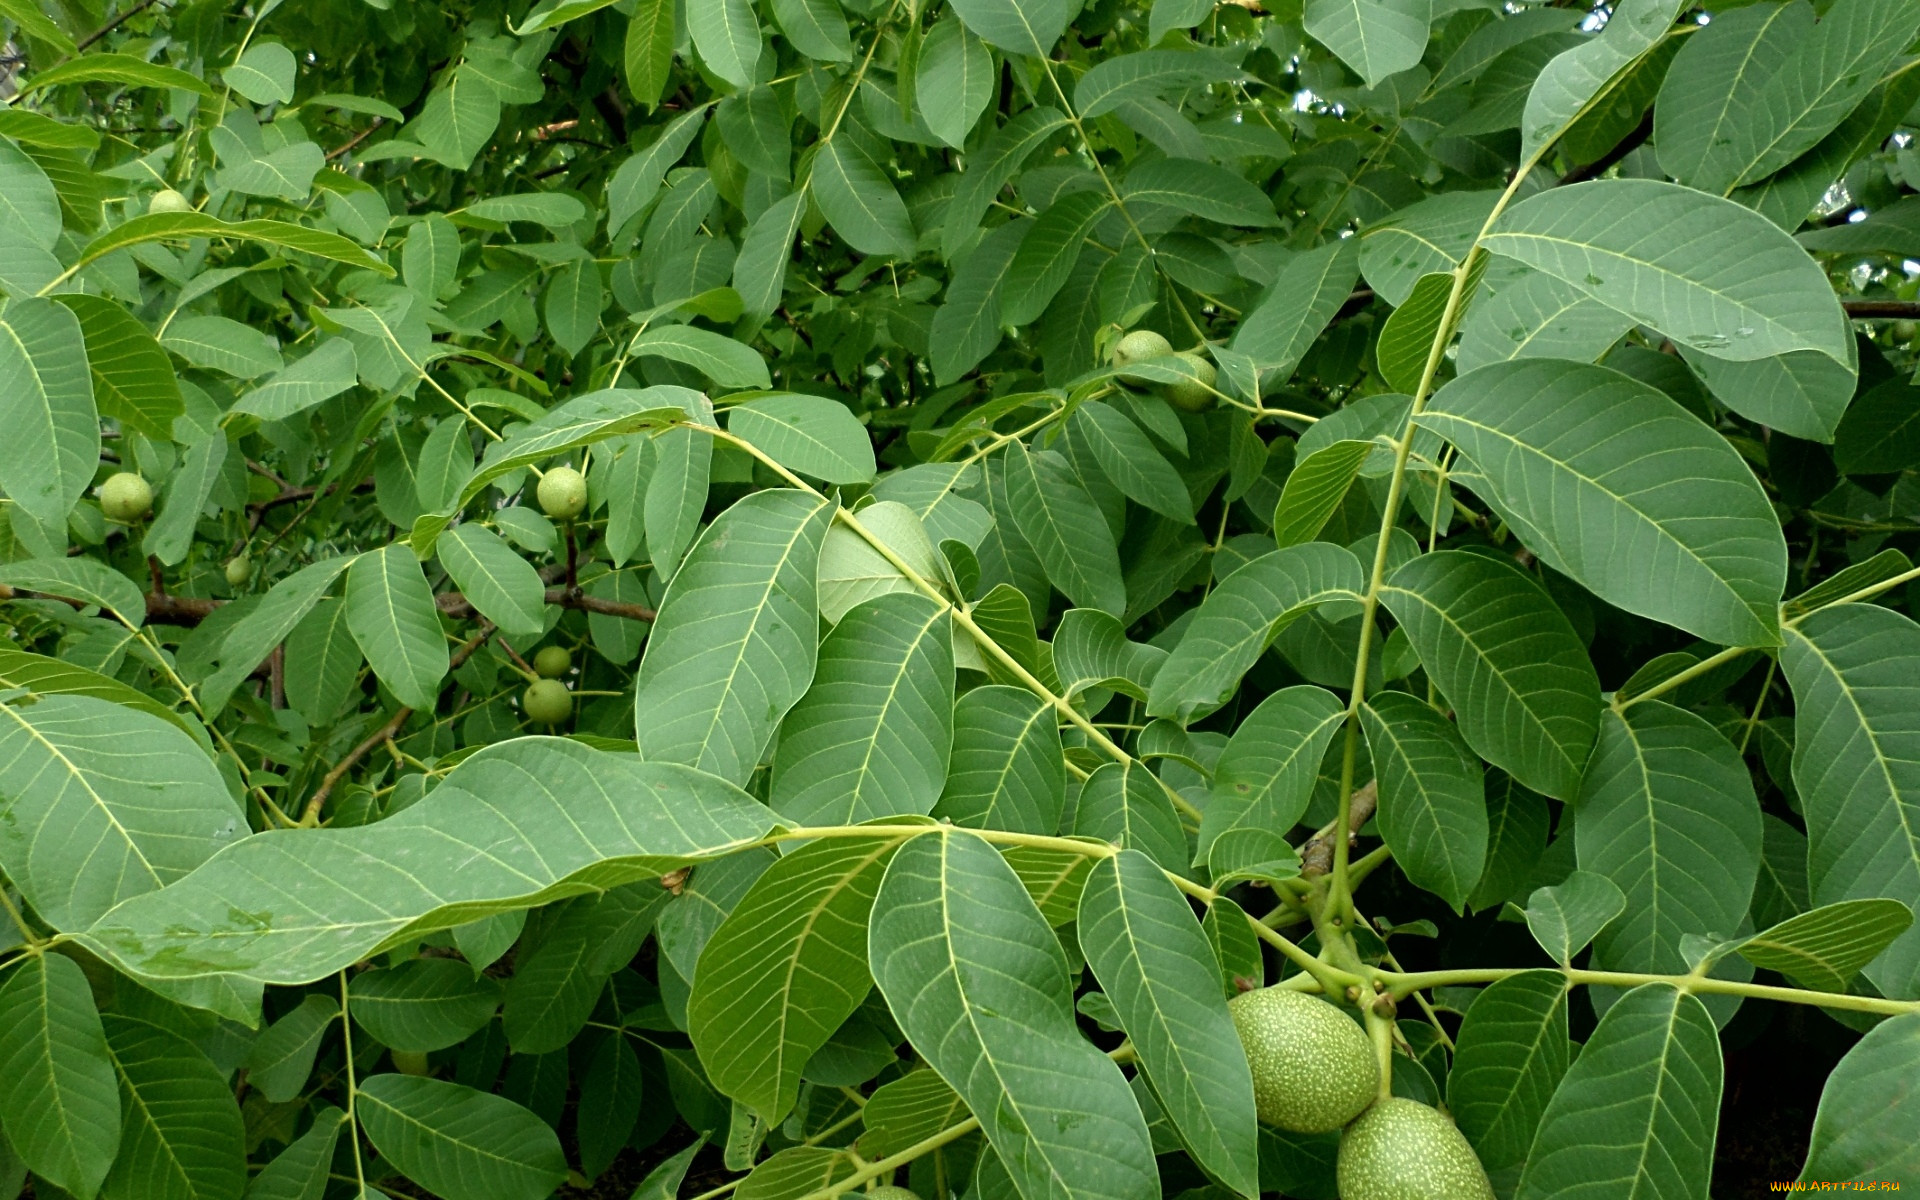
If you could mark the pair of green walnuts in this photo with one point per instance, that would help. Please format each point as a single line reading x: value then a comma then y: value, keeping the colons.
x: 1194, y: 393
x: 1314, y: 1071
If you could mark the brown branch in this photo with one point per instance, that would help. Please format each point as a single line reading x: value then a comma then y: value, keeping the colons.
x: 1317, y: 857
x: 355, y: 140
x: 1625, y: 146
x: 310, y: 814
x: 1905, y: 309
x: 112, y: 25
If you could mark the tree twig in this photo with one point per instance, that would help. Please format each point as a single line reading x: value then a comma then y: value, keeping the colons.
x: 113, y: 24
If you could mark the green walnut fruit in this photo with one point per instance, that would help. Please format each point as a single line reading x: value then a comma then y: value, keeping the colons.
x: 563, y: 493
x: 1139, y: 346
x: 1906, y: 331
x: 1313, y: 1068
x: 126, y: 497
x: 1402, y: 1150
x: 553, y: 661
x: 1196, y: 394
x: 239, y: 568
x: 411, y: 1062
x: 166, y: 200
x: 547, y: 701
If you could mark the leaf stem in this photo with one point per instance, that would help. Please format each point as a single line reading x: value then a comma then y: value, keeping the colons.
x: 34, y: 941
x: 1673, y: 681
x: 1400, y: 983
x: 353, y: 1088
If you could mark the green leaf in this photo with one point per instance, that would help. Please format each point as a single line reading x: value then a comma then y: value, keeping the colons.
x: 1803, y: 394
x: 649, y: 58
x: 573, y: 302
x: 677, y: 494
x: 1433, y: 235
x: 1029, y: 27
x: 1377, y: 38
x: 1147, y: 73
x: 610, y: 1098
x: 391, y: 611
x: 809, y: 434
x: 255, y: 635
x: 727, y: 37
x: 1006, y: 770
x: 1855, y: 674
x: 1310, y: 288
x: 1709, y: 273
x: 978, y: 982
x: 551, y: 14
x: 1829, y: 72
x: 1091, y: 649
x: 1124, y: 804
x: 59, y: 1098
x: 1130, y: 460
x: 1201, y: 189
x: 423, y: 1004
x: 1047, y: 255
x: 1406, y: 340
x: 760, y: 272
x: 29, y: 20
x: 637, y: 180
x: 1522, y: 313
x: 1242, y: 616
x: 733, y: 647
x: 103, y: 803
x: 27, y: 197
x: 264, y: 74
x: 1266, y: 772
x: 1509, y: 1056
x: 1064, y: 524
x: 1314, y: 489
x: 1667, y: 812
x: 1824, y: 949
x: 503, y: 586
x: 966, y: 327
x: 860, y: 203
x: 1567, y: 88
x: 1878, y: 432
x: 52, y: 676
x: 183, y: 1138
x: 300, y: 1172
x: 1865, y: 1130
x: 1637, y: 1111
x: 728, y: 363
x: 158, y: 227
x: 908, y: 1110
x: 1508, y: 662
x: 457, y: 1142
x: 516, y: 825
x: 82, y: 579
x: 997, y: 162
x: 102, y: 67
x: 46, y: 403
x: 1152, y: 961
x: 871, y: 736
x: 1563, y: 918
x: 785, y: 969
x: 222, y: 344
x: 1433, y: 805
x: 1707, y: 101
x: 170, y: 534
x: 281, y: 1058
x: 133, y: 381
x: 555, y: 984
x: 954, y: 81
x: 816, y: 28
x: 1660, y: 516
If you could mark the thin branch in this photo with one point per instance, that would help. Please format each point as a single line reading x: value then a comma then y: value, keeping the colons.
x: 1626, y: 145
x: 1904, y: 309
x: 112, y: 25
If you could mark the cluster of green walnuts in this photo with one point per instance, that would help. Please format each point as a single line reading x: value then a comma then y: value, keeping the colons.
x: 1314, y: 1071
x: 1194, y: 394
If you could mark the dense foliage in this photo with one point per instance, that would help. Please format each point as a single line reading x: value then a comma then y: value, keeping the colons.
x: 635, y: 592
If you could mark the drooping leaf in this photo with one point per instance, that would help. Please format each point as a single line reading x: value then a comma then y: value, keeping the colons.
x: 460, y: 1143
x: 1510, y: 1055
x: 1611, y: 482
x: 978, y: 982
x: 733, y: 647
x: 47, y: 404
x: 182, y: 1136
x: 390, y: 609
x: 1433, y: 807
x: 1148, y: 953
x: 499, y: 583
x: 58, y: 1094
x: 785, y: 969
x: 1637, y: 1112
x: 1864, y: 1130
x: 1520, y: 683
